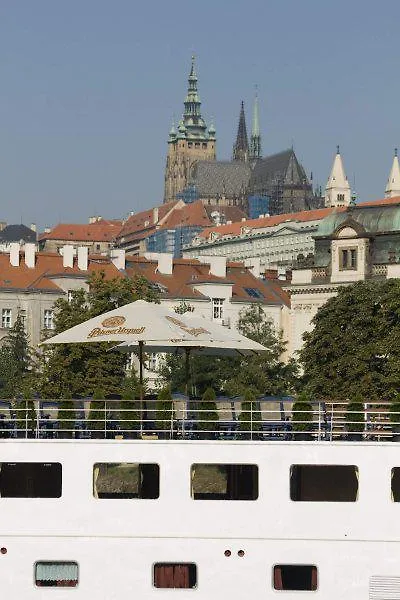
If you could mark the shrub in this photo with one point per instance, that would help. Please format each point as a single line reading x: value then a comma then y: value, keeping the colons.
x: 97, y: 411
x: 66, y: 415
x: 164, y: 409
x: 207, y: 414
x: 354, y: 416
x: 250, y: 416
x: 302, y: 413
x: 130, y: 415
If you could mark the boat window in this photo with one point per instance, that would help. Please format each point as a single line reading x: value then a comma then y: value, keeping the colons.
x: 56, y: 573
x: 395, y: 484
x: 295, y: 577
x: 174, y: 575
x: 126, y: 480
x: 30, y: 480
x: 224, y: 482
x: 324, y: 483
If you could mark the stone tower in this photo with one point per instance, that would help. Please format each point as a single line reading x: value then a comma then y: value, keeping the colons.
x: 337, y: 191
x: 241, y: 147
x: 393, y: 183
x: 190, y: 143
x: 255, y: 140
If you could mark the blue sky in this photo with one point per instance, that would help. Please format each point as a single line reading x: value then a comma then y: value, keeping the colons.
x: 88, y: 89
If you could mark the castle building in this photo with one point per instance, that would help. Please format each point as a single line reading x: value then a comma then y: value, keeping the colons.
x: 192, y: 172
x: 192, y: 142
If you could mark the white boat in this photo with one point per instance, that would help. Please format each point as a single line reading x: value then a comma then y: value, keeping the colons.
x: 202, y: 518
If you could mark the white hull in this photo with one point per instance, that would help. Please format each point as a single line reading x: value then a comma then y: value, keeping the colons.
x: 116, y: 542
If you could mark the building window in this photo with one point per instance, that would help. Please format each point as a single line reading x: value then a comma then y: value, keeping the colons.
x: 126, y: 480
x: 30, y: 480
x: 48, y: 319
x: 175, y: 575
x: 56, y: 574
x: 70, y: 295
x: 224, y: 482
x: 348, y: 259
x: 296, y: 577
x: 340, y: 197
x: 254, y: 292
x: 6, y: 315
x: 324, y: 483
x: 218, y: 308
x: 22, y: 316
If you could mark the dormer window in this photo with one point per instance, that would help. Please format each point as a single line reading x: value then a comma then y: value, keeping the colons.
x: 348, y: 259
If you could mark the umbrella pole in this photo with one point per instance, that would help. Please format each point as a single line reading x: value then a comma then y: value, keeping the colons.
x: 187, y: 372
x: 141, y: 385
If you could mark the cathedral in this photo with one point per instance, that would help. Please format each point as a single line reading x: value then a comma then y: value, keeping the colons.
x: 278, y: 183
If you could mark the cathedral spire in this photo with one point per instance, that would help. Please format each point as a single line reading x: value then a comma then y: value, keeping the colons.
x: 393, y: 183
x: 192, y: 119
x: 255, y: 142
x: 337, y: 191
x: 241, y: 147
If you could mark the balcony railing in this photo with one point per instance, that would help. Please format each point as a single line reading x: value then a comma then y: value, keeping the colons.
x: 269, y: 418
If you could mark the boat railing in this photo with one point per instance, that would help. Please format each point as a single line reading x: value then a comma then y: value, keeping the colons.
x: 269, y: 418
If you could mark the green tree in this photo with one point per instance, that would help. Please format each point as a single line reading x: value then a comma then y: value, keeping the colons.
x: 164, y: 408
x: 8, y: 374
x: 250, y: 416
x: 354, y: 416
x: 265, y: 373
x: 16, y: 358
x: 84, y: 367
x: 207, y: 414
x: 354, y: 347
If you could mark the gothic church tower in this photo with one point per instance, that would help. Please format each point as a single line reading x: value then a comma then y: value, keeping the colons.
x: 337, y: 191
x: 190, y: 143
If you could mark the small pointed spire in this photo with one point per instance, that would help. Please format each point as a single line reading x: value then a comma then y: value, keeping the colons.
x: 255, y: 141
x: 241, y: 147
x: 337, y: 191
x: 393, y: 183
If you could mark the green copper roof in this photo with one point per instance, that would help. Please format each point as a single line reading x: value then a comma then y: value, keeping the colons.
x: 373, y: 219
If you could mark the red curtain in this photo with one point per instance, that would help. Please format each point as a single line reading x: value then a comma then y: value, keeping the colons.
x: 171, y: 576
x: 278, y: 585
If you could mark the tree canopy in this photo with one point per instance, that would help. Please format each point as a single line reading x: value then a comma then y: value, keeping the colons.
x: 354, y: 348
x: 15, y: 361
x: 264, y: 374
x: 80, y: 369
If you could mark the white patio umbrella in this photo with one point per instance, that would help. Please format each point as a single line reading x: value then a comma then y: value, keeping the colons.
x: 146, y: 324
x: 224, y: 342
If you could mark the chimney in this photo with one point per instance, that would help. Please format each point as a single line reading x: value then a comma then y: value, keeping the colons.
x: 30, y: 251
x: 243, y: 219
x: 68, y: 256
x: 217, y: 264
x: 47, y: 229
x: 229, y: 222
x: 118, y: 258
x: 253, y: 264
x: 83, y: 258
x: 92, y: 220
x: 33, y: 227
x: 155, y: 215
x: 14, y: 254
x: 3, y: 224
x: 165, y: 263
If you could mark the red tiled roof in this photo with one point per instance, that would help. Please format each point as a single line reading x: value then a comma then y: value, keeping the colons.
x: 303, y: 216
x: 136, y: 223
x: 189, y: 272
x: 100, y: 231
x: 47, y: 267
x: 381, y: 202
